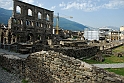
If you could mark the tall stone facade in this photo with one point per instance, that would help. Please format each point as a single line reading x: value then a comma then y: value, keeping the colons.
x: 30, y: 23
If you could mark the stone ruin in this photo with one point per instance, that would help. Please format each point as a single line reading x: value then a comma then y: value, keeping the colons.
x: 28, y: 26
x: 30, y: 30
x: 54, y: 67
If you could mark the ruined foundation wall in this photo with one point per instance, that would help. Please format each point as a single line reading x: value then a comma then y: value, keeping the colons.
x: 78, y: 52
x: 54, y: 67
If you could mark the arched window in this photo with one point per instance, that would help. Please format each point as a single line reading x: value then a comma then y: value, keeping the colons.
x: 41, y: 25
x: 14, y: 21
x: 32, y: 24
x: 27, y: 22
x: 48, y: 17
x: 39, y: 15
x: 49, y: 26
x: 21, y: 22
x: 18, y: 9
x: 29, y: 12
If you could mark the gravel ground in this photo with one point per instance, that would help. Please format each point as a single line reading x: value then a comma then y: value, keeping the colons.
x: 13, y: 53
x: 6, y: 77
x: 114, y: 65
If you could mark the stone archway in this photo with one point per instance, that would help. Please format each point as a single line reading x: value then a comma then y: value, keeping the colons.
x: 9, y: 38
x: 30, y: 37
x: 2, y: 37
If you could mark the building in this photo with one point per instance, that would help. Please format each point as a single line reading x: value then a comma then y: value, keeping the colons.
x: 91, y: 34
x: 29, y: 29
x: 30, y: 23
x: 115, y: 35
x: 104, y: 34
x: 122, y: 32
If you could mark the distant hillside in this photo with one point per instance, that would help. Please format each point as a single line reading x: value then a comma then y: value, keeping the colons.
x: 63, y: 23
x: 5, y: 15
x: 69, y: 25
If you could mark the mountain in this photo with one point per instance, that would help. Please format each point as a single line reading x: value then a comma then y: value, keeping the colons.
x: 5, y: 15
x: 69, y: 25
x: 63, y: 23
x: 113, y: 27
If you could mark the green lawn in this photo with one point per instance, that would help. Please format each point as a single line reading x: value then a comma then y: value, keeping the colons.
x: 112, y: 59
x: 118, y: 71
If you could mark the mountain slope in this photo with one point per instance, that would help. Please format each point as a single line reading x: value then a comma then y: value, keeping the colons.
x: 69, y: 25
x: 63, y: 23
x: 5, y: 15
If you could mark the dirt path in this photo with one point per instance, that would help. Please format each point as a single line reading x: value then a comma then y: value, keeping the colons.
x: 114, y: 65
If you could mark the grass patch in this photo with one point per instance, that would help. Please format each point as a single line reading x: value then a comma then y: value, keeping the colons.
x: 119, y: 71
x: 112, y: 59
x: 119, y: 49
x: 24, y: 81
x: 91, y: 61
x: 108, y: 60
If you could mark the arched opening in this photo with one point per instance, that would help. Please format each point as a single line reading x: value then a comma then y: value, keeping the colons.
x: 30, y: 37
x: 21, y: 22
x: 14, y: 21
x: 18, y: 22
x: 38, y: 37
x: 38, y: 24
x: 41, y: 25
x: 18, y: 9
x: 27, y: 23
x: 29, y: 12
x: 9, y: 38
x: 39, y: 15
x: 48, y: 17
x: 2, y: 37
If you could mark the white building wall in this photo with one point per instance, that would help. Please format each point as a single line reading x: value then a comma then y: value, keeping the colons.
x: 91, y: 35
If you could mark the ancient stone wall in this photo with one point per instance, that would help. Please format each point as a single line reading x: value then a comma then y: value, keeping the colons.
x: 54, y: 67
x: 30, y: 23
x: 12, y: 63
x: 83, y: 52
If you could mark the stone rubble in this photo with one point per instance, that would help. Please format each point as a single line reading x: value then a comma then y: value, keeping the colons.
x: 54, y: 67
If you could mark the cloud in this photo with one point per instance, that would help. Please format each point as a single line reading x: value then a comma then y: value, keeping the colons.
x: 7, y: 4
x: 53, y: 7
x: 39, y: 4
x: 114, y: 4
x: 92, y: 5
x: 28, y: 1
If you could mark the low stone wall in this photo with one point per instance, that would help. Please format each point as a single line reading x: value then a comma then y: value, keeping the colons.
x: 83, y: 52
x: 54, y: 67
x: 12, y: 63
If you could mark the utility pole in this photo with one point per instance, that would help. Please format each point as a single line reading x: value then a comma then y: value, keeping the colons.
x: 57, y: 24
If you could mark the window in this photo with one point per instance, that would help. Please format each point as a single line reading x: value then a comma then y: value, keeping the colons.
x: 29, y: 12
x: 14, y: 21
x: 18, y: 10
x: 37, y: 24
x: 39, y: 15
x: 41, y: 25
x: 21, y: 22
x: 48, y: 18
x: 27, y: 22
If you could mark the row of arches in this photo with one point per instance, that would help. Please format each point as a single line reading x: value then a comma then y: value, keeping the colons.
x: 30, y: 23
x: 30, y: 13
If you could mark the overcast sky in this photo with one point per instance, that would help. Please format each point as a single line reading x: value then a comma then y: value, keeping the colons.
x: 94, y: 13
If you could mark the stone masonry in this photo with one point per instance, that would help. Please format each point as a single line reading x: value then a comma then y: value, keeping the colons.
x: 30, y: 23
x: 54, y: 67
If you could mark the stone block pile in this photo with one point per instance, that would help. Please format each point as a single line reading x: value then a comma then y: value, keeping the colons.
x: 54, y: 67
